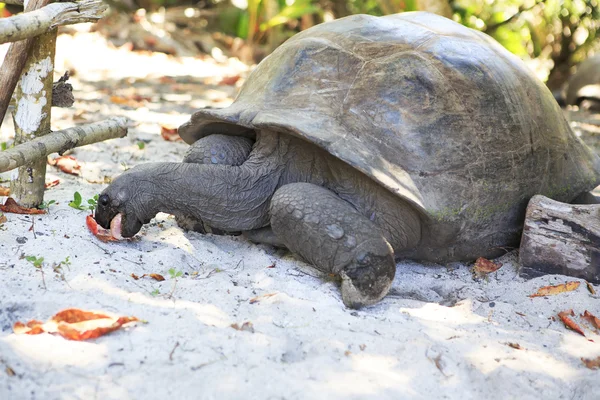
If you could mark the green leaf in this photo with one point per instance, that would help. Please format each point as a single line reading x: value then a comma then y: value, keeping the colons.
x: 76, y: 203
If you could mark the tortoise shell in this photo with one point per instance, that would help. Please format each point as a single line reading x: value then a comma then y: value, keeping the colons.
x: 440, y: 114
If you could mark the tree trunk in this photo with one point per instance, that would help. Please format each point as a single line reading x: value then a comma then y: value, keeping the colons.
x: 440, y: 7
x: 33, y: 98
x: 14, y: 62
x: 561, y: 238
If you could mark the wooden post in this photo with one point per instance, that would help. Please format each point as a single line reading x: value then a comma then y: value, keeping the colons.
x: 33, y: 98
x: 14, y: 62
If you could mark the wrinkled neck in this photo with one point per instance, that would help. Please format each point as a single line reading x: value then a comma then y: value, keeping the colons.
x: 225, y: 197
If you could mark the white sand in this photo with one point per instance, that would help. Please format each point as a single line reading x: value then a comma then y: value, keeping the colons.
x: 439, y: 334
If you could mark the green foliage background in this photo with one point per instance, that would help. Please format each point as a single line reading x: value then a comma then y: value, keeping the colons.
x: 559, y: 33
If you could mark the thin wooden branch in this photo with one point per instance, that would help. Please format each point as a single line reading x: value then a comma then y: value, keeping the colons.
x: 14, y: 62
x: 61, y: 141
x: 34, y: 23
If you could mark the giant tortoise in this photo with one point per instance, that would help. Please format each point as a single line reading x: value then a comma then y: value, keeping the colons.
x: 367, y: 139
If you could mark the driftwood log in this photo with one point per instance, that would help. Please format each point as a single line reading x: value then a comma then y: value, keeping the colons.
x: 561, y: 238
x: 34, y: 23
x: 61, y: 141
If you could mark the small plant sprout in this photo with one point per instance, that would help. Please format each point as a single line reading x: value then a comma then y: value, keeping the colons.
x: 174, y: 275
x: 155, y: 292
x: 38, y: 263
x: 141, y: 145
x: 58, y: 268
x: 46, y: 205
x: 3, y: 146
x: 78, y: 200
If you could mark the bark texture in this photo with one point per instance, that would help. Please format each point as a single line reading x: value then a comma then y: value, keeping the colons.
x: 62, y: 92
x: 34, y: 23
x: 561, y: 238
x: 33, y: 97
x: 14, y: 62
x: 61, y: 141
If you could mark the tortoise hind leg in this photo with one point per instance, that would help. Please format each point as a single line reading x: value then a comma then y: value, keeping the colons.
x: 329, y: 233
x: 214, y: 149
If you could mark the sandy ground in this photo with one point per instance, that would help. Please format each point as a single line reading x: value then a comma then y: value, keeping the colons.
x: 439, y: 334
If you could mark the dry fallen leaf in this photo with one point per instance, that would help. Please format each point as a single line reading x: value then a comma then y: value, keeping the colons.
x: 4, y: 191
x: 102, y: 234
x: 592, y: 363
x: 229, y: 80
x: 11, y: 206
x: 569, y: 323
x: 590, y: 288
x: 485, y: 266
x: 74, y: 324
x: 51, y: 184
x: 261, y: 297
x: 169, y: 133
x: 552, y: 290
x: 2, y: 218
x: 9, y: 371
x: 595, y: 321
x: 514, y: 345
x: 134, y: 276
x: 67, y: 164
x: 157, y: 277
x: 133, y: 101
x: 246, y: 326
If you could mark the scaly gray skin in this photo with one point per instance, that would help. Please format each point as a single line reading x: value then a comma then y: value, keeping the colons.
x: 330, y: 214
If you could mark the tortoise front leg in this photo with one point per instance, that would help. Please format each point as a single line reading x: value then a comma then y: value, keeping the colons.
x: 214, y: 149
x: 329, y: 233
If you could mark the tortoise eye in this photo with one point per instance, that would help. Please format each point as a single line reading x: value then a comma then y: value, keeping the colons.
x: 103, y: 200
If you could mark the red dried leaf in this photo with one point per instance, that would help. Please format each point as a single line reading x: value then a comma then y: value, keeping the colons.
x: 134, y: 276
x: 552, y: 290
x: 4, y: 191
x: 592, y: 363
x: 74, y: 324
x: 595, y: 321
x: 134, y: 101
x: 590, y: 288
x: 485, y: 266
x: 169, y: 133
x: 157, y: 277
x: 167, y: 80
x: 229, y: 80
x: 102, y: 234
x: 67, y: 164
x: 11, y: 206
x: 569, y: 323
x: 51, y: 184
x: 73, y: 315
